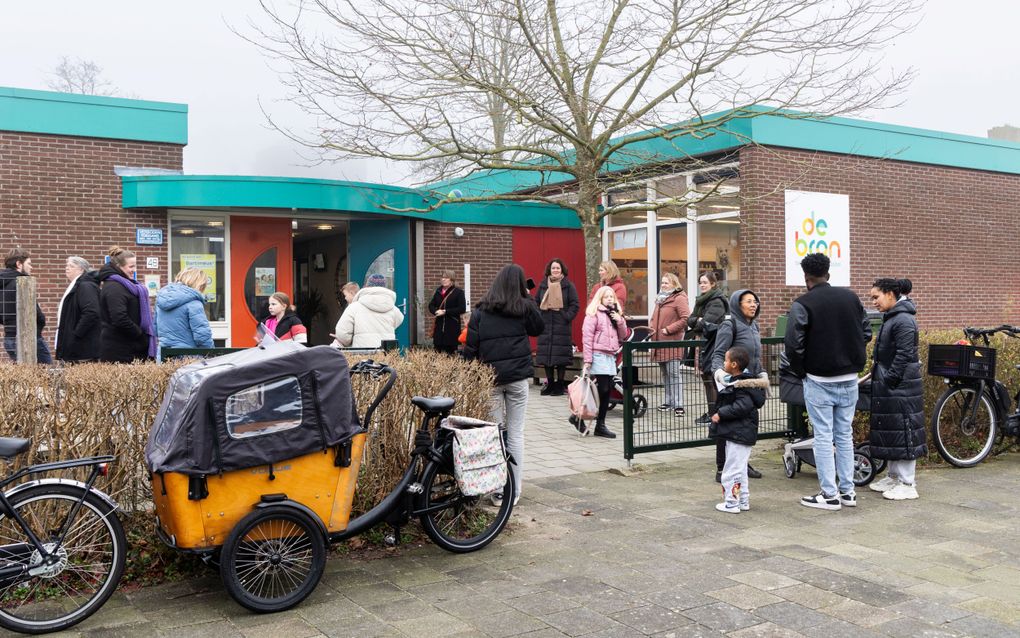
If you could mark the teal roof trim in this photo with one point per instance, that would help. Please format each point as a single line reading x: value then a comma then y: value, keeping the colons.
x: 832, y: 135
x: 282, y: 193
x: 28, y: 111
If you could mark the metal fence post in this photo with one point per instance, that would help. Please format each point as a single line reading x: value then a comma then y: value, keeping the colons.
x: 628, y: 403
x: 25, y: 347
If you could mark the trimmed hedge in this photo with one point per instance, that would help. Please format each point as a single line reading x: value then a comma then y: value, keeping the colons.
x: 92, y: 409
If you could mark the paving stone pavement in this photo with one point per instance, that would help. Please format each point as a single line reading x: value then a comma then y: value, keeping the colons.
x: 604, y: 555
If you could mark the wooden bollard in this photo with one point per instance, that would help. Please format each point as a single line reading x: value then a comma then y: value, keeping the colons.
x: 25, y: 347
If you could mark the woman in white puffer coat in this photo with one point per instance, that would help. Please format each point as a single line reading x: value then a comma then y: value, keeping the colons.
x: 371, y: 318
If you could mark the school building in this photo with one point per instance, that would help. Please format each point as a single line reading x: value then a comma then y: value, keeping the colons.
x: 80, y: 173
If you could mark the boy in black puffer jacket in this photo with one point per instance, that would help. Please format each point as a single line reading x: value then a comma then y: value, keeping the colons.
x: 741, y: 394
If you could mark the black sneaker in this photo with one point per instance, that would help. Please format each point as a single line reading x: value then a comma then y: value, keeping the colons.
x: 822, y: 502
x: 703, y: 419
x: 848, y: 500
x: 752, y: 473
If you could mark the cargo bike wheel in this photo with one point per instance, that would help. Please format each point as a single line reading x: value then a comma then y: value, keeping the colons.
x: 273, y: 559
x: 964, y: 435
x: 456, y: 522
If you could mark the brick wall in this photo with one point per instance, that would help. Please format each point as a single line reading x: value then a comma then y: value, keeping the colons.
x: 486, y: 248
x: 59, y: 196
x: 952, y: 231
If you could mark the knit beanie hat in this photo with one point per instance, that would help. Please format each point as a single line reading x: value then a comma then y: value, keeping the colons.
x: 375, y: 279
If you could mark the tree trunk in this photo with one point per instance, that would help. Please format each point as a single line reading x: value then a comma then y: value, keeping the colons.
x: 592, y: 248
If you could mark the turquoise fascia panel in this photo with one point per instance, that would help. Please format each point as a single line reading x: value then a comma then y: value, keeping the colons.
x: 282, y: 193
x: 788, y: 129
x: 47, y: 112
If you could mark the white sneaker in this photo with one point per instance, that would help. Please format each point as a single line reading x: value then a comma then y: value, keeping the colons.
x: 745, y: 507
x: 723, y: 507
x: 901, y: 492
x: 883, y: 485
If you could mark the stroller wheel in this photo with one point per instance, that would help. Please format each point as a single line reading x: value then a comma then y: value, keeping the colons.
x: 788, y: 465
x: 640, y: 406
x: 864, y: 468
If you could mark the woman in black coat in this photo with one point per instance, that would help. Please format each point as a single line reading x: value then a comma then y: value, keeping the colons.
x: 710, y: 307
x: 897, y: 403
x: 447, y: 306
x: 78, y: 326
x: 128, y: 331
x: 498, y: 334
x: 557, y: 299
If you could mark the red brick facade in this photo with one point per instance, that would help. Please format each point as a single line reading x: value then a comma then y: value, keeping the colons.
x: 59, y: 196
x: 486, y: 248
x: 952, y: 231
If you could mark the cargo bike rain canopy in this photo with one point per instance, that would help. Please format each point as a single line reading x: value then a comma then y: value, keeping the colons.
x: 255, y: 407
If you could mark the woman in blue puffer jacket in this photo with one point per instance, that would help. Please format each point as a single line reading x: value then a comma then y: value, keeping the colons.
x: 180, y: 312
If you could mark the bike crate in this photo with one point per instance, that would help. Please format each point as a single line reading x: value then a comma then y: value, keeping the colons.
x: 961, y: 361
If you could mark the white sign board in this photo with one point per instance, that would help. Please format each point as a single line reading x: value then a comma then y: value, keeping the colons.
x: 152, y: 262
x: 817, y: 223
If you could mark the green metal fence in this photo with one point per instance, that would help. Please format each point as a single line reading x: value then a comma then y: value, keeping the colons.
x: 647, y: 428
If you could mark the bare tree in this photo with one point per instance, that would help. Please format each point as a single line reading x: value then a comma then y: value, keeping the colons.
x: 75, y: 75
x: 570, y: 91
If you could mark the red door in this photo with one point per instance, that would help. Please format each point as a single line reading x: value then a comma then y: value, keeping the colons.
x: 261, y: 263
x: 534, y: 247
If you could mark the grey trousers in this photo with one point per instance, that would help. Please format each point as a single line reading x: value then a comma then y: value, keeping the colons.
x: 509, y: 402
x: 671, y: 379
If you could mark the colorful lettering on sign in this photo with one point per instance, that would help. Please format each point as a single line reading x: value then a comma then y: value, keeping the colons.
x: 813, y: 228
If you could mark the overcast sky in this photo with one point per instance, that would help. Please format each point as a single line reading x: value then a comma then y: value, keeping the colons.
x: 966, y: 56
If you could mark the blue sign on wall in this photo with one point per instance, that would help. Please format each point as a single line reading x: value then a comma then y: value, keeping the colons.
x: 149, y: 236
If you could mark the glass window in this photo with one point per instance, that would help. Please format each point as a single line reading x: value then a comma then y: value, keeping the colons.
x: 198, y: 243
x: 628, y: 249
x: 630, y: 195
x: 719, y: 251
x: 264, y: 408
x: 721, y: 193
x: 260, y: 283
x: 673, y: 252
x: 382, y: 265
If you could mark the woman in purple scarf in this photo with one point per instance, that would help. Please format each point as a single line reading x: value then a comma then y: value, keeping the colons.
x: 127, y: 328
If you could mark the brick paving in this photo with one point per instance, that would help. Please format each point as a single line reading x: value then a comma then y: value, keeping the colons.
x: 598, y: 554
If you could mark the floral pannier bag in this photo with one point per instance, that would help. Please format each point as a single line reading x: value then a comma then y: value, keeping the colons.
x: 479, y: 459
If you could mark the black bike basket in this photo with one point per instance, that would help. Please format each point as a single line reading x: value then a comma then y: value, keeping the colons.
x: 961, y: 361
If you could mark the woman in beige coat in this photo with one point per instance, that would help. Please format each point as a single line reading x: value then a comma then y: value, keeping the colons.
x: 371, y: 318
x: 669, y: 321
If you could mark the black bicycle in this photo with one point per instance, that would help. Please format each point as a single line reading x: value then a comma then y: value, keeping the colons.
x: 975, y: 412
x: 62, y: 547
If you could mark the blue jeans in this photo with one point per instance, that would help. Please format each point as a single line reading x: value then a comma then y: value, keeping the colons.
x: 42, y: 351
x: 831, y: 408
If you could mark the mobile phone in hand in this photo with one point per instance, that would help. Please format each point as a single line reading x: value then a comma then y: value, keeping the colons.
x: 530, y: 283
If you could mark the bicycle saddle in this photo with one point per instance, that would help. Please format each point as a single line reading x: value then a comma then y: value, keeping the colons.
x: 11, y: 447
x: 434, y: 405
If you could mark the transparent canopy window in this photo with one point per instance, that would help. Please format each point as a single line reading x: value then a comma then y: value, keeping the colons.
x: 264, y: 408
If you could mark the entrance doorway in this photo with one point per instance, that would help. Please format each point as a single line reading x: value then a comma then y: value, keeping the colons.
x: 320, y: 271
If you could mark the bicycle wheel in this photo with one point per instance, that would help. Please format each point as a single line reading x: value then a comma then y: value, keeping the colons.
x: 91, y: 558
x: 273, y: 559
x: 963, y: 436
x: 456, y: 522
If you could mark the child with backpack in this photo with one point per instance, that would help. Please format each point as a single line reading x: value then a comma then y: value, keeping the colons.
x: 740, y: 396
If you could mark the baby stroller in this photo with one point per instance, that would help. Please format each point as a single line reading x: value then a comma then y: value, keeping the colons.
x: 800, y: 451
x: 637, y: 335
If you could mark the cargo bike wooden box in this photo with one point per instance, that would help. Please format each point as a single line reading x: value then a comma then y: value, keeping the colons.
x: 254, y: 458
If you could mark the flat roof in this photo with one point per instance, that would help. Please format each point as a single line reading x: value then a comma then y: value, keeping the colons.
x: 788, y: 129
x: 294, y: 194
x: 51, y: 113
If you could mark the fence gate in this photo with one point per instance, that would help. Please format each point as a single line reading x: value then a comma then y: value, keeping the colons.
x: 649, y: 425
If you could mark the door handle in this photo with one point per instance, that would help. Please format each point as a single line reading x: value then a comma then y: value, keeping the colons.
x: 403, y: 306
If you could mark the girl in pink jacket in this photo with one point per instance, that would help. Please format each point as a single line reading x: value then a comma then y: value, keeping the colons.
x: 603, y: 330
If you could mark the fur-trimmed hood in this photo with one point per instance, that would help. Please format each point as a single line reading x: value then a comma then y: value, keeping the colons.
x: 761, y: 382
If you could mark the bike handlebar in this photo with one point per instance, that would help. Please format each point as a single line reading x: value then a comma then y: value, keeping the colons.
x: 375, y: 371
x: 972, y: 333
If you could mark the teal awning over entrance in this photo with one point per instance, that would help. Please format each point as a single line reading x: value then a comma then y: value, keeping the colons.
x: 295, y: 194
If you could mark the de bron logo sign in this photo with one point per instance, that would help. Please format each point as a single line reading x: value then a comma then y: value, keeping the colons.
x: 817, y: 223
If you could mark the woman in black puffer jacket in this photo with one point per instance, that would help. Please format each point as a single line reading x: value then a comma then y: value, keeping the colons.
x: 897, y: 404
x: 558, y: 301
x: 498, y: 334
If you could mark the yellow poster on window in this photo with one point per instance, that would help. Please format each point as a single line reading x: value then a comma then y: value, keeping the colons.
x: 207, y: 264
